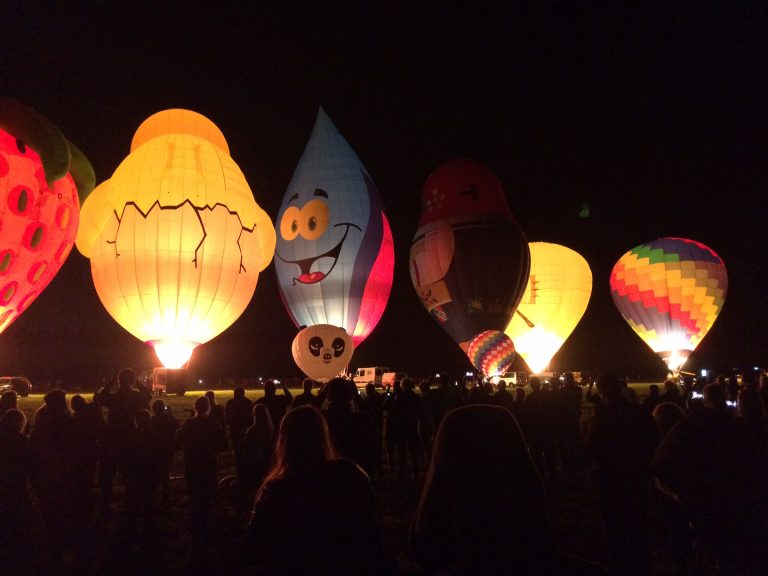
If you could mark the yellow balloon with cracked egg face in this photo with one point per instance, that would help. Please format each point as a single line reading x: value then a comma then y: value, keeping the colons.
x: 175, y: 238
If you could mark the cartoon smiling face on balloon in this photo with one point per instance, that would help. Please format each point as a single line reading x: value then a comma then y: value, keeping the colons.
x: 314, y: 229
x: 334, y: 253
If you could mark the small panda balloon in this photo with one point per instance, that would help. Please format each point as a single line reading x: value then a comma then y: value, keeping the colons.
x: 322, y: 351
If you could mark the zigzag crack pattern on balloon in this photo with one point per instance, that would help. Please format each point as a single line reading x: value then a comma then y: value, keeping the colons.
x: 197, y: 209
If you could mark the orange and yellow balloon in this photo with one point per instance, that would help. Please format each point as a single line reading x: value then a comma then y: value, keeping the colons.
x: 175, y: 237
x: 556, y: 297
x: 670, y: 292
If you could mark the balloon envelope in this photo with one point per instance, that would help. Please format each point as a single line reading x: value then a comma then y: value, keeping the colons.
x: 556, y: 297
x: 175, y: 237
x: 491, y: 352
x: 335, y: 253
x: 322, y: 351
x: 469, y: 258
x: 39, y: 206
x: 670, y: 291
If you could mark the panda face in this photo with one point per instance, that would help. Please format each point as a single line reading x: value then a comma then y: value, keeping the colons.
x: 318, y: 349
x: 322, y: 351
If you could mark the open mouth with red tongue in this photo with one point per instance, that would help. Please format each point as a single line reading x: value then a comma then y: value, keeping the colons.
x: 307, y: 276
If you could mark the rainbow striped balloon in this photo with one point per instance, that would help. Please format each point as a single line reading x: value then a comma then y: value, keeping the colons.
x: 491, y: 352
x: 670, y: 292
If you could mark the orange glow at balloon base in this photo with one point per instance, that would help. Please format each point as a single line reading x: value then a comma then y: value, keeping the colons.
x: 173, y: 353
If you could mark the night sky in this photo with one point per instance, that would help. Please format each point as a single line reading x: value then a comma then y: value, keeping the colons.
x: 655, y: 120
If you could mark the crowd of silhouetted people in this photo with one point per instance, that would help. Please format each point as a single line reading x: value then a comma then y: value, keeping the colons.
x: 305, y: 469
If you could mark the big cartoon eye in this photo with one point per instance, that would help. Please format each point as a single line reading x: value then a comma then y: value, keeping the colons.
x: 338, y: 347
x: 315, y: 219
x: 289, y: 224
x: 315, y: 344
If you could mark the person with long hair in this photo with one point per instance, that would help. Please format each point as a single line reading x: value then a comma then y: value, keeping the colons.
x: 314, y: 513
x: 482, y: 509
x: 253, y: 458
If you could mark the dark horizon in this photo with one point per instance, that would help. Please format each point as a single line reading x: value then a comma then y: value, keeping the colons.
x: 655, y: 121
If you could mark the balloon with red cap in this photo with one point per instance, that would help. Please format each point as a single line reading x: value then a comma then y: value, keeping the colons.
x: 469, y: 258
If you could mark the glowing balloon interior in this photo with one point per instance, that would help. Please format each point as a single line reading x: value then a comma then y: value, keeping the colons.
x: 670, y: 291
x: 335, y: 253
x: 175, y: 237
x: 556, y: 297
x: 469, y: 258
x: 39, y: 205
x: 322, y: 351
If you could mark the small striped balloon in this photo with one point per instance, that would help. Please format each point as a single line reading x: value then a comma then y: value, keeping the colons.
x: 491, y: 352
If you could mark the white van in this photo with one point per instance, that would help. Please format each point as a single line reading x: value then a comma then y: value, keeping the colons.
x: 373, y: 374
x: 511, y: 379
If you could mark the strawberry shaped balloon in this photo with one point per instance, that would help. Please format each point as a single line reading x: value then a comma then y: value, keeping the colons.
x: 41, y: 175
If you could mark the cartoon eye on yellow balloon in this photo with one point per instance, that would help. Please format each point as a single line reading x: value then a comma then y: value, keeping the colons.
x: 175, y: 237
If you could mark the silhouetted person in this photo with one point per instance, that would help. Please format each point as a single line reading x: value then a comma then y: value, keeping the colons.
x: 537, y: 426
x: 749, y: 409
x: 622, y: 441
x: 15, y: 498
x: 672, y: 394
x: 732, y: 387
x: 315, y: 513
x: 165, y: 425
x: 373, y: 405
x: 593, y: 397
x: 447, y: 397
x: 426, y: 417
x: 217, y: 411
x: 391, y: 426
x: 54, y: 446
x: 9, y: 400
x: 502, y: 397
x: 349, y: 430
x: 306, y: 398
x: 407, y: 406
x: 202, y: 439
x: 666, y: 415
x: 239, y: 416
x: 653, y: 399
x: 518, y: 404
x: 89, y: 432
x: 253, y: 459
x: 482, y: 509
x: 568, y: 425
x: 142, y: 474
x: 122, y: 405
x: 277, y: 405
x: 710, y: 465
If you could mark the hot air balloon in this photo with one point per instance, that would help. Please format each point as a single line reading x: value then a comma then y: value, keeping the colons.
x: 41, y: 175
x: 335, y: 256
x: 322, y: 351
x: 555, y: 299
x: 491, y: 352
x: 670, y: 291
x: 175, y: 237
x: 469, y: 258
